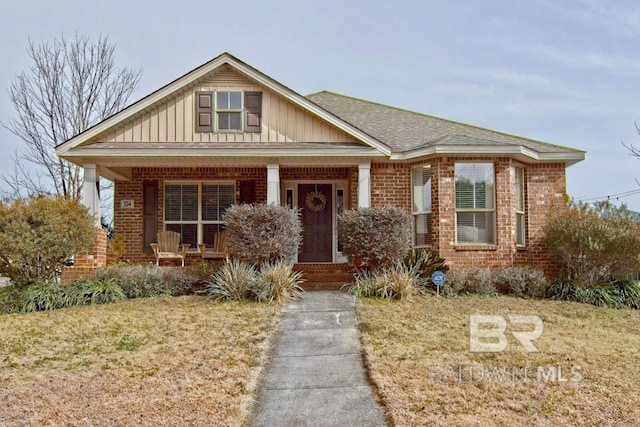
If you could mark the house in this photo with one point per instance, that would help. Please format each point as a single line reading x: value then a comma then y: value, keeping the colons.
x: 226, y: 133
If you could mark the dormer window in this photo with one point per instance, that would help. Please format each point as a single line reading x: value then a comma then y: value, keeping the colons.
x: 228, y: 111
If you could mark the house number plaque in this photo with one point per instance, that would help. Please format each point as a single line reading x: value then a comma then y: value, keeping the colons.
x: 126, y: 204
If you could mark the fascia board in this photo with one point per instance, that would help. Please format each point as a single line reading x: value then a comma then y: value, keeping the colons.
x: 224, y: 152
x: 568, y: 157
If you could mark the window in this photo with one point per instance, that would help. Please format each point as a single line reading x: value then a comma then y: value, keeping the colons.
x: 421, y: 181
x: 520, y: 223
x: 195, y: 209
x: 229, y: 111
x: 234, y: 111
x: 475, y: 203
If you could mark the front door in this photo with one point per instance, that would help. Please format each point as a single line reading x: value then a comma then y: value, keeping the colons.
x: 316, y: 205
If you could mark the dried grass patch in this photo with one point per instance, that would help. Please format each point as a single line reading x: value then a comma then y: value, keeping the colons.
x: 418, y: 351
x: 147, y: 362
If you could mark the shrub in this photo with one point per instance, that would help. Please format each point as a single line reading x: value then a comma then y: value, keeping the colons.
x: 471, y: 280
x: 149, y: 280
x: 10, y: 298
x: 277, y: 282
x: 395, y: 282
x: 38, y: 236
x: 521, y: 281
x: 596, y: 244
x: 235, y: 281
x: 182, y: 281
x: 455, y: 283
x: 97, y: 291
x: 46, y: 296
x: 480, y: 281
x: 614, y: 295
x: 260, y: 232
x: 137, y: 281
x: 374, y: 237
x: 424, y: 263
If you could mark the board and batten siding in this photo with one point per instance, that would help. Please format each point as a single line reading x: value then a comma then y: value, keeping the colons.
x: 172, y: 120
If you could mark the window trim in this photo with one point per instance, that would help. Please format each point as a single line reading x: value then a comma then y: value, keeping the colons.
x: 240, y: 111
x: 199, y: 222
x: 520, y: 213
x: 493, y: 242
x: 421, y: 212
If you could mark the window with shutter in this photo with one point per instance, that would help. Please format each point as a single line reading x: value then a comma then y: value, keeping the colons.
x: 228, y: 111
x: 421, y: 210
x: 195, y: 210
x: 204, y: 111
x: 475, y: 203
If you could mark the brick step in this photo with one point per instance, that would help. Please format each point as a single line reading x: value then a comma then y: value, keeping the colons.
x: 325, y: 276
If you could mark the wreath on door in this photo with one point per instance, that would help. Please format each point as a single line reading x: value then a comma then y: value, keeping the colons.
x: 316, y: 201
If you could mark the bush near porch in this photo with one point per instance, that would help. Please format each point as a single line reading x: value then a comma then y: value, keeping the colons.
x: 374, y: 237
x: 259, y: 232
x: 38, y: 236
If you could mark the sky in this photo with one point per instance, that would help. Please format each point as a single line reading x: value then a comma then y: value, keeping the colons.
x: 560, y: 71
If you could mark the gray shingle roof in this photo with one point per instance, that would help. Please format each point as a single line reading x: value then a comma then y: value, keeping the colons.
x: 404, y: 130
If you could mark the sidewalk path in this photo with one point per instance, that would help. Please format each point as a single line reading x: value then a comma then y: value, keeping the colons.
x: 316, y: 376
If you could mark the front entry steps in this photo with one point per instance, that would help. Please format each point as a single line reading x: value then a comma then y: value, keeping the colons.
x: 325, y: 277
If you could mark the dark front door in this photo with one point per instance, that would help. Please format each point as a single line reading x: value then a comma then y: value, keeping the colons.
x: 316, y: 205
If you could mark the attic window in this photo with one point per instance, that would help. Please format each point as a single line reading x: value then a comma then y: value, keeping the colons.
x: 229, y: 111
x: 233, y: 111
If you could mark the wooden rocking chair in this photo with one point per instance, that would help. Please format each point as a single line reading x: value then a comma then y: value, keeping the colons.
x: 219, y: 250
x: 168, y: 247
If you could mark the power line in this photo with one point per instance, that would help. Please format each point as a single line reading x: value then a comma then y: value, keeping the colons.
x: 616, y: 196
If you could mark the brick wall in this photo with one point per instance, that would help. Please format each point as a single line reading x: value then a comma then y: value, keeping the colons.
x: 85, y: 264
x: 544, y: 188
x: 128, y: 222
x: 390, y: 185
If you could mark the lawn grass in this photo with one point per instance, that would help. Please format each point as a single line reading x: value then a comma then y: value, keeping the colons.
x: 146, y: 362
x: 418, y: 356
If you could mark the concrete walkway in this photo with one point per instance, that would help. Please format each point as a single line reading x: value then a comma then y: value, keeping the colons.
x: 316, y: 376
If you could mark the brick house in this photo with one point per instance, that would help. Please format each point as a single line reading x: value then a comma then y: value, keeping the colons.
x: 226, y: 133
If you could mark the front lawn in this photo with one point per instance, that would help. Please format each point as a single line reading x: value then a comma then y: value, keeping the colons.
x: 144, y: 362
x: 419, y: 357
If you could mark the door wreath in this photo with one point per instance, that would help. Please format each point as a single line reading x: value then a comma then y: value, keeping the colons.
x: 316, y: 201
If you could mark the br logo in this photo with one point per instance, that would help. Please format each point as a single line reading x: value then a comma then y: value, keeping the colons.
x: 488, y: 333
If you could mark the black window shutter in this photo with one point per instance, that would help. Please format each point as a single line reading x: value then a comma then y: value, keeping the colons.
x: 204, y: 111
x: 149, y: 214
x: 253, y: 108
x: 247, y: 192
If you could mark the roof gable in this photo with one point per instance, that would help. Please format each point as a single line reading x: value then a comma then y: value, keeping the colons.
x: 132, y: 119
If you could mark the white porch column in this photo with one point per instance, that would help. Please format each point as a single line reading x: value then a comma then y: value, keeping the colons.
x: 364, y: 185
x: 273, y: 185
x: 91, y: 191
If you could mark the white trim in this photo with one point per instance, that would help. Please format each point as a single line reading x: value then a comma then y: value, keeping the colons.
x: 364, y: 185
x: 490, y: 150
x: 273, y: 184
x: 218, y: 152
x: 91, y: 191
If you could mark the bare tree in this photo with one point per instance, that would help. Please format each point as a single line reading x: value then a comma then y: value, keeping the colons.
x: 72, y: 85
